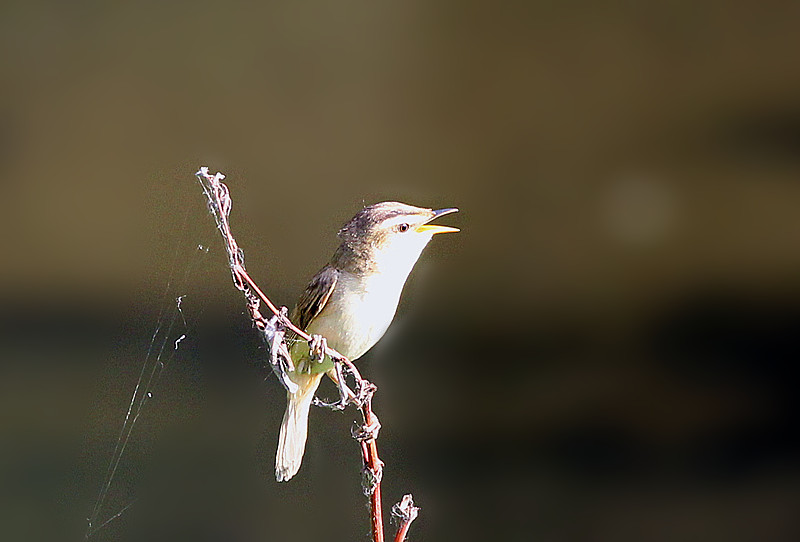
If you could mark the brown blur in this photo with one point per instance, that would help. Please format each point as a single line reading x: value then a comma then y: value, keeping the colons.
x: 603, y: 353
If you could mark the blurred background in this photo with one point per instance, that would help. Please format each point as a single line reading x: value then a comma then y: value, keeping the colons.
x: 603, y: 353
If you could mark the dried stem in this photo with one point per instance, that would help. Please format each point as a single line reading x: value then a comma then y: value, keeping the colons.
x: 406, y: 512
x: 372, y: 473
x: 274, y: 328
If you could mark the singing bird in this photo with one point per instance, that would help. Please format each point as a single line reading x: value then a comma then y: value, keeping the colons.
x: 351, y: 302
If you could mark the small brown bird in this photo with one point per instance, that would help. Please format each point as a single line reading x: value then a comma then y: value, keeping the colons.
x: 351, y: 302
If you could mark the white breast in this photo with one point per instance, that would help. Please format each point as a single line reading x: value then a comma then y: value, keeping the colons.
x: 362, y: 307
x: 359, y: 312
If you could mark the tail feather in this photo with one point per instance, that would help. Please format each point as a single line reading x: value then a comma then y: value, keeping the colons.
x: 294, y: 428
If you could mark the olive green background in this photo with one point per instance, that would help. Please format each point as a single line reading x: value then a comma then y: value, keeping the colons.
x: 604, y: 352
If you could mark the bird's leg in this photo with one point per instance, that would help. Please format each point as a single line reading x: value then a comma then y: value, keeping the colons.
x: 344, y: 392
x: 317, y: 347
x: 346, y: 395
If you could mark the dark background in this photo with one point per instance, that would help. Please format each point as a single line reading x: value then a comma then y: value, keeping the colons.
x: 604, y: 352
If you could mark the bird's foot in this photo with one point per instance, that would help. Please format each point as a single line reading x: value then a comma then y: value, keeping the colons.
x: 317, y: 346
x: 346, y: 395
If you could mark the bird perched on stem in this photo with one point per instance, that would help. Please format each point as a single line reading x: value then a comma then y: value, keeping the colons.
x: 351, y: 302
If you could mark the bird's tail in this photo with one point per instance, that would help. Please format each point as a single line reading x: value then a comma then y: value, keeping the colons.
x: 294, y: 428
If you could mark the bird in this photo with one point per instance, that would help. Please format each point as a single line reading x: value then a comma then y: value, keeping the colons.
x: 351, y: 302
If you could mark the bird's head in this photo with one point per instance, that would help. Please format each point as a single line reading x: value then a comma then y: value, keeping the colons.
x: 389, y: 236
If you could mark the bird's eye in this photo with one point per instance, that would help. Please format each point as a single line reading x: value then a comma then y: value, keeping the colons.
x: 403, y: 227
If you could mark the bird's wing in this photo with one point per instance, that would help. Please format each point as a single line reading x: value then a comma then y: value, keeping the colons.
x: 314, y: 298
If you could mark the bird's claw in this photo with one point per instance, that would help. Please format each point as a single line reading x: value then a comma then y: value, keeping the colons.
x: 318, y: 345
x: 346, y: 395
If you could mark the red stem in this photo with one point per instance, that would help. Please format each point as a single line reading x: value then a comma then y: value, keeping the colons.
x: 402, y: 531
x: 369, y: 451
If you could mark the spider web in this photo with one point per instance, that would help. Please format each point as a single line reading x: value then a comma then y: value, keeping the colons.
x: 171, y: 329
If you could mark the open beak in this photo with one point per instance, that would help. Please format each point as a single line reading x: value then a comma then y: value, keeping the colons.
x: 434, y: 229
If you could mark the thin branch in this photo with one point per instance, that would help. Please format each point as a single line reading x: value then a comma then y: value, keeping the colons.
x: 274, y: 329
x: 406, y: 513
x: 372, y: 473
